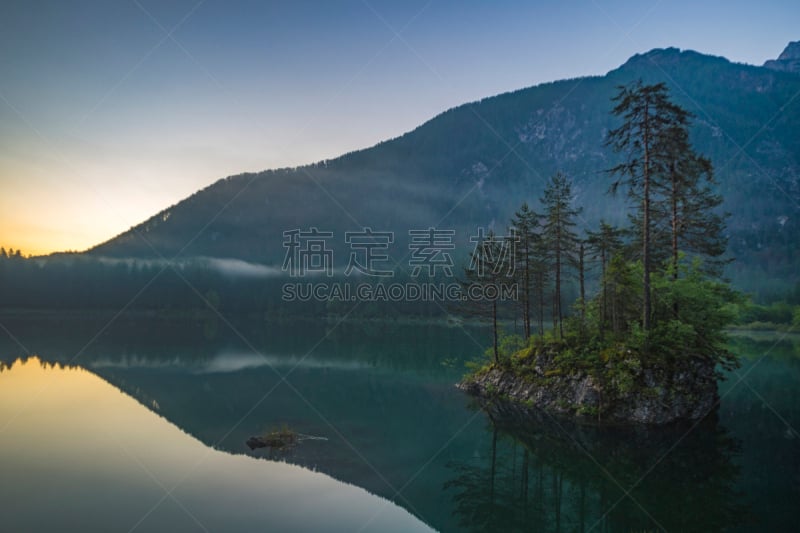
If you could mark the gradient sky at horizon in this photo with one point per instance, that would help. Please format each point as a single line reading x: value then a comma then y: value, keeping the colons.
x: 113, y: 110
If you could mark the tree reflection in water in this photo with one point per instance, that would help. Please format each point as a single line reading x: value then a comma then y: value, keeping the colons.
x: 545, y: 474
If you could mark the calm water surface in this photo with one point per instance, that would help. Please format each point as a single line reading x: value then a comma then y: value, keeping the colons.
x: 143, y: 428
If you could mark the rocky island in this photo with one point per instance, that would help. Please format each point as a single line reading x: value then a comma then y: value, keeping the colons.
x: 649, y: 346
x: 626, y: 393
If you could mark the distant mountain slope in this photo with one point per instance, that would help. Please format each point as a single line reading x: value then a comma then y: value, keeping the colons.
x: 474, y: 164
x: 788, y: 61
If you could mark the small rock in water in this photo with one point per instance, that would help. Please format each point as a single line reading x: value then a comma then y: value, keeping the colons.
x: 255, y: 442
x: 274, y: 439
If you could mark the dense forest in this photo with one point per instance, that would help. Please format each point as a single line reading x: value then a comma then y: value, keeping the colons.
x: 74, y: 282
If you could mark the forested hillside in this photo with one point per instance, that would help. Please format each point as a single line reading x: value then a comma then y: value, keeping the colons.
x: 472, y: 165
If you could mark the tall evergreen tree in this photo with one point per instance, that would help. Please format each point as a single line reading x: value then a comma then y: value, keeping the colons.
x: 560, y: 237
x: 649, y: 120
x: 603, y: 244
x: 541, y: 277
x: 525, y: 224
x: 695, y: 224
x: 488, y: 272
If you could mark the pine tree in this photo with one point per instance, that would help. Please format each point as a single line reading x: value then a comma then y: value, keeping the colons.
x: 650, y: 119
x: 695, y: 224
x: 524, y: 224
x: 560, y: 238
x: 604, y: 244
x: 540, y: 279
x: 489, y: 271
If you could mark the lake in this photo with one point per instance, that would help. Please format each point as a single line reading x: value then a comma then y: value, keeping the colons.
x: 141, y: 425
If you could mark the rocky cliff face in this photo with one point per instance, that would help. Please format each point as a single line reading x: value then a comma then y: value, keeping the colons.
x: 788, y: 61
x: 654, y: 396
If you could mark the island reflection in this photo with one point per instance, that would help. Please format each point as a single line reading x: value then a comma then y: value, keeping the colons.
x: 78, y: 454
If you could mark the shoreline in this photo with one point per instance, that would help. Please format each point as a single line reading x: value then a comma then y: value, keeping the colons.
x: 652, y: 396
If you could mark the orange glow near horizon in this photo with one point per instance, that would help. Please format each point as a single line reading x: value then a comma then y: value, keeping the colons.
x: 40, y: 214
x: 44, y: 231
x: 50, y: 204
x: 38, y: 240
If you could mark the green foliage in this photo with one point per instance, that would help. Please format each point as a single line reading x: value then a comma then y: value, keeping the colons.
x: 778, y: 316
x: 624, y: 285
x: 692, y: 313
x: 489, y: 267
x: 670, y: 338
x: 775, y: 313
x: 560, y: 239
x: 476, y: 368
x: 511, y: 345
x: 651, y: 123
x: 622, y: 377
x: 529, y: 261
x: 511, y: 349
x: 657, y: 310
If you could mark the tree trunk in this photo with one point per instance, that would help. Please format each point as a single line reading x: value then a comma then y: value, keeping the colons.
x: 557, y: 302
x: 674, y: 223
x: 541, y: 303
x: 614, y: 310
x: 494, y: 330
x: 526, y: 310
x: 555, y: 314
x: 646, y: 224
x: 604, y: 302
x: 674, y: 232
x: 583, y: 292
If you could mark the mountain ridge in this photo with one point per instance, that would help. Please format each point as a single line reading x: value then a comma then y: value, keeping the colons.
x: 788, y: 61
x: 471, y: 165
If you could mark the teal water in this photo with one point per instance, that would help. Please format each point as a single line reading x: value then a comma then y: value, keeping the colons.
x: 156, y: 440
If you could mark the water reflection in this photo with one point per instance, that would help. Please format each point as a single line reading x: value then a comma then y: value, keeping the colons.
x: 429, y: 349
x: 381, y: 395
x: 547, y: 474
x: 78, y: 454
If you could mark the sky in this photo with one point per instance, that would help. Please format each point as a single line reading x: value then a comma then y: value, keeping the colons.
x: 111, y: 110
